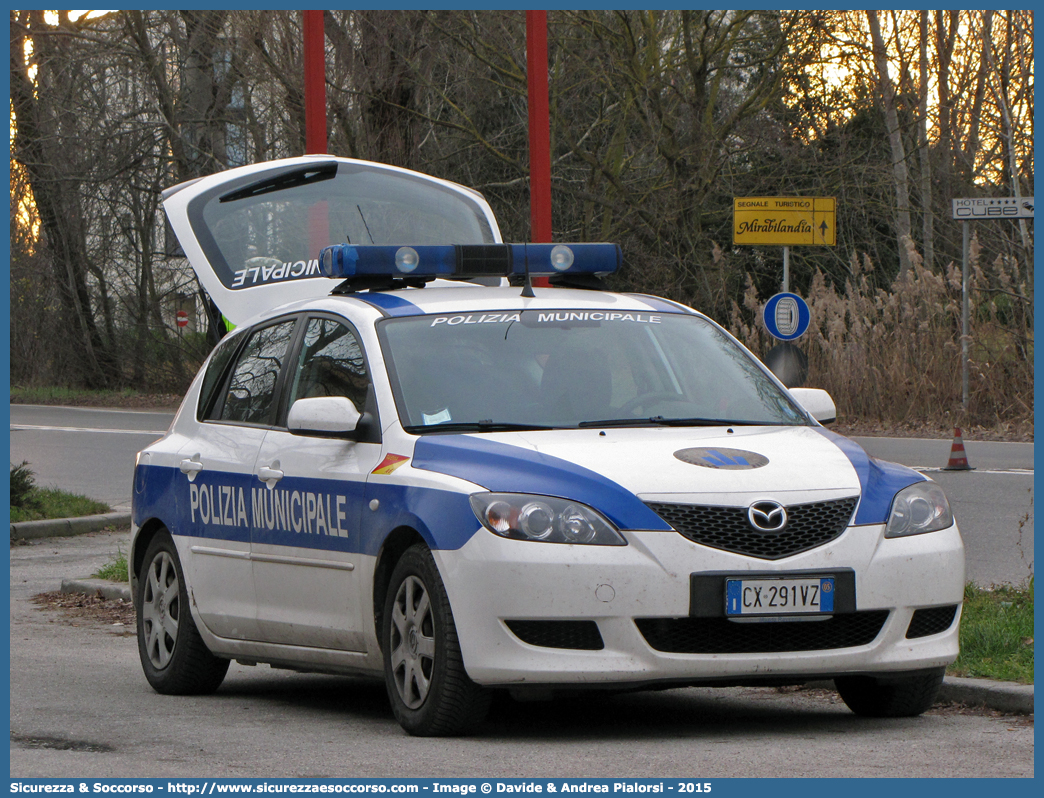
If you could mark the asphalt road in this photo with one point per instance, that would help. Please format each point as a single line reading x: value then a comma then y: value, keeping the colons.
x: 91, y: 451
x: 84, y: 450
x: 993, y: 503
x: 80, y: 707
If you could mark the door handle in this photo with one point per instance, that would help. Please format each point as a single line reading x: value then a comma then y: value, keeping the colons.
x: 191, y: 466
x: 270, y: 475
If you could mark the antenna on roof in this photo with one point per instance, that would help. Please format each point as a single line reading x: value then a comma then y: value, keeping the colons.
x: 527, y: 286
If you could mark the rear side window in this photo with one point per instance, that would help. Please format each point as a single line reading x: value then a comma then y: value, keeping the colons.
x: 251, y: 393
x: 216, y: 370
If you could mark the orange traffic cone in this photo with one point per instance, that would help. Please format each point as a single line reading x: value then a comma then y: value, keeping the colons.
x: 958, y: 459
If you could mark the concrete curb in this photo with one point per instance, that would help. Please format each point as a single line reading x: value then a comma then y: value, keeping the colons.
x: 66, y: 527
x: 96, y: 587
x: 1008, y: 697
x: 1000, y: 696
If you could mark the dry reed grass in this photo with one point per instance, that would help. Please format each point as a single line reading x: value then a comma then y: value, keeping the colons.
x: 893, y: 357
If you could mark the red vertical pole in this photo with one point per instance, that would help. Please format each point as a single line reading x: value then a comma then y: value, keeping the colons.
x: 539, y: 127
x: 314, y: 83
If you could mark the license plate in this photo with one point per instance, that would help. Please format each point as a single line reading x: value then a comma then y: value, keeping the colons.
x: 797, y: 596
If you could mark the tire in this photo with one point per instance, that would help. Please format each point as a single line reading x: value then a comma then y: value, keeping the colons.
x: 893, y: 697
x: 429, y: 690
x: 174, y: 657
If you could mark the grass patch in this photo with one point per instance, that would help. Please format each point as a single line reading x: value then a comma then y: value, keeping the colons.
x: 54, y: 394
x: 997, y: 634
x: 84, y: 398
x: 29, y: 502
x: 115, y: 570
x: 54, y: 503
x: 75, y: 397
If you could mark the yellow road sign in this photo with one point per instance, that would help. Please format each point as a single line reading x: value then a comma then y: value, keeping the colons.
x: 784, y: 221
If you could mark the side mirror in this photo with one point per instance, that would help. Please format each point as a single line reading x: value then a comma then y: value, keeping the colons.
x: 324, y: 416
x: 817, y: 402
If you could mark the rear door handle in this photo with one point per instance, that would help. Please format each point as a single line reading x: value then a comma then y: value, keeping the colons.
x: 191, y: 466
x: 270, y: 475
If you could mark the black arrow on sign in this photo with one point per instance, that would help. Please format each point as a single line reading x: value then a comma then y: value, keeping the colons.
x: 823, y: 228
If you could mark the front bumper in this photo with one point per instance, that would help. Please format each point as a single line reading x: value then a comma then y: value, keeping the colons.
x: 493, y: 582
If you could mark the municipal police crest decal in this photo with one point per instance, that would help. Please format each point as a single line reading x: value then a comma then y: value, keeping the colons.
x: 715, y: 457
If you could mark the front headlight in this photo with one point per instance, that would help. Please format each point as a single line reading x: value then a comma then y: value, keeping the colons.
x: 922, y: 507
x: 523, y: 517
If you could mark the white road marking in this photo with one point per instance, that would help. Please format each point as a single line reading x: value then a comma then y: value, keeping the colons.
x: 39, y: 428
x: 1027, y: 472
x: 97, y: 410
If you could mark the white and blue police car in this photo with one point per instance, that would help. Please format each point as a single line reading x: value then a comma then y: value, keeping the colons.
x: 406, y: 461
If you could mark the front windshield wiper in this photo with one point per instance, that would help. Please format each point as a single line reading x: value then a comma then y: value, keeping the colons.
x: 660, y: 421
x: 473, y: 426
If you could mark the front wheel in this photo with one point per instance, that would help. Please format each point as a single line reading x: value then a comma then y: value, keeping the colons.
x: 174, y: 657
x: 891, y: 697
x: 430, y: 692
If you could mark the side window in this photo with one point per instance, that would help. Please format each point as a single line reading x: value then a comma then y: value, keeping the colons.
x: 251, y: 392
x: 331, y: 364
x: 216, y: 368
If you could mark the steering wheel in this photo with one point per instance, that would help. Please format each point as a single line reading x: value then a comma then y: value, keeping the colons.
x: 642, y: 399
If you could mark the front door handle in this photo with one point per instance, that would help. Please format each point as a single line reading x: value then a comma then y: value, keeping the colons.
x: 191, y: 466
x: 270, y: 475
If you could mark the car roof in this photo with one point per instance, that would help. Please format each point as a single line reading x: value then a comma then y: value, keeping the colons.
x: 444, y: 297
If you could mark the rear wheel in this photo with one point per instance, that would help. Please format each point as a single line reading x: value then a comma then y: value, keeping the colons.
x: 173, y: 655
x: 890, y: 697
x: 430, y: 692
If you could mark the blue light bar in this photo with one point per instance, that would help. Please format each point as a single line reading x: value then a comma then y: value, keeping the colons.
x: 464, y: 261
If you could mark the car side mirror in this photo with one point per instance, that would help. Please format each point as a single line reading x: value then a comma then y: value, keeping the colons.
x: 323, y: 416
x: 817, y: 402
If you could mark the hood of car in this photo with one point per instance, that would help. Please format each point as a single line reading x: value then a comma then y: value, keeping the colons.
x: 253, y: 234
x: 616, y: 471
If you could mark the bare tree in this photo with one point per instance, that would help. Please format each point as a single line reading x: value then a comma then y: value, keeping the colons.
x: 927, y: 210
x: 47, y: 117
x: 895, y: 142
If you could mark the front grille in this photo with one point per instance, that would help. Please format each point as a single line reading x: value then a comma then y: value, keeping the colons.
x: 931, y: 621
x: 581, y: 635
x: 722, y: 636
x: 727, y: 528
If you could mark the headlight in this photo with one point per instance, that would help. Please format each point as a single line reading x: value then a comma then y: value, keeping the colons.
x: 922, y: 507
x: 523, y: 517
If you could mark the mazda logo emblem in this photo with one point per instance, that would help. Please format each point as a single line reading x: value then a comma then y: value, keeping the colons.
x: 767, y: 516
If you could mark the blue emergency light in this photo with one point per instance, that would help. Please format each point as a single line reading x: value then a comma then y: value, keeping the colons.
x: 466, y: 261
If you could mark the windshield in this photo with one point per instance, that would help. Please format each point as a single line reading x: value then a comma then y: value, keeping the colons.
x: 270, y: 227
x: 561, y: 369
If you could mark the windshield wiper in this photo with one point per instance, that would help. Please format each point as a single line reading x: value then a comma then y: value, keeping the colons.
x: 473, y: 426
x: 298, y: 177
x: 660, y: 421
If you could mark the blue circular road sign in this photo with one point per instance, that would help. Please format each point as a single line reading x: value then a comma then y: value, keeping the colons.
x: 786, y: 316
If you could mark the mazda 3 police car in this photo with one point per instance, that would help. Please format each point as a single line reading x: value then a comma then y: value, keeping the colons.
x: 406, y: 461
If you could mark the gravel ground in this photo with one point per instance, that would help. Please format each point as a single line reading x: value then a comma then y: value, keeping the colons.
x: 80, y: 610
x: 118, y: 616
x: 1014, y: 433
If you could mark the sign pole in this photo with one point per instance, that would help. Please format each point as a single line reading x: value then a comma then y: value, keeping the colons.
x: 786, y: 270
x: 539, y: 127
x: 965, y: 335
x: 314, y: 83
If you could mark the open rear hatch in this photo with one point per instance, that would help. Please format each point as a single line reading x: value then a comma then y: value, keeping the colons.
x: 253, y: 234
